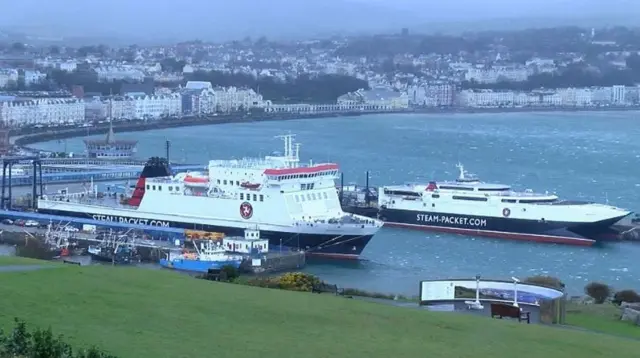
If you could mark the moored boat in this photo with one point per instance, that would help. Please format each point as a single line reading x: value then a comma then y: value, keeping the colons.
x: 294, y: 204
x: 210, y: 255
x: 468, y: 206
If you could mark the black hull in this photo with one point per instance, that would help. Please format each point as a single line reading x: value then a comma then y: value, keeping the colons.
x: 341, y: 246
x: 507, y: 228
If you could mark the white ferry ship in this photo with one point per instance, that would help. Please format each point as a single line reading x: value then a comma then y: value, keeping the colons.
x: 469, y: 206
x: 291, y: 204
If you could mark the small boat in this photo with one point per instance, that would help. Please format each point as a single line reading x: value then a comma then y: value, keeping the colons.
x: 251, y: 186
x: 116, y: 249
x: 211, y: 255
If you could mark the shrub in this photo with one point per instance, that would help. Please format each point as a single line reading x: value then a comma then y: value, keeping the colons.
x: 298, y: 281
x: 40, y: 343
x: 630, y: 296
x: 598, y: 291
x: 230, y: 273
x: 548, y: 281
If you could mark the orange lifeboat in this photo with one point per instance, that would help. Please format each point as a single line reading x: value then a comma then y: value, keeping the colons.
x: 251, y: 186
x: 196, y: 180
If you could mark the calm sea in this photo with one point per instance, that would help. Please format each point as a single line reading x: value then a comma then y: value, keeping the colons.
x: 591, y: 156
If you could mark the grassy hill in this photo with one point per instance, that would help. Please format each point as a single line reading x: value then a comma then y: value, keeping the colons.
x: 148, y: 313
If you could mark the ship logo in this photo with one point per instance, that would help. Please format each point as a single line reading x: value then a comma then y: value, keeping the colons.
x: 506, y: 212
x: 246, y: 210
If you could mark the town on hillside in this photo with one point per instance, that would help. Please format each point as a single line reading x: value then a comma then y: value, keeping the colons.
x: 554, y: 68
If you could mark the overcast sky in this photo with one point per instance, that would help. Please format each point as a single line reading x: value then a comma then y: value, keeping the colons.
x: 229, y: 19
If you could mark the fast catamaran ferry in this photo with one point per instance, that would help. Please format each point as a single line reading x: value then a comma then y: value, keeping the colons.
x: 291, y: 204
x: 469, y: 206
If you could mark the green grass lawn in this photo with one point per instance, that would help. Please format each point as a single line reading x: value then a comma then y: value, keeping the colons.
x: 134, y: 312
x: 602, y: 318
x: 16, y: 261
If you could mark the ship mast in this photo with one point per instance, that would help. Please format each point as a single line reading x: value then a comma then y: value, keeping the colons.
x: 291, y: 151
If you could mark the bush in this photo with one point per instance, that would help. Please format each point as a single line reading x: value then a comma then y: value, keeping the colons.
x: 293, y: 281
x: 630, y: 296
x: 40, y: 343
x: 547, y: 281
x: 230, y: 273
x: 598, y: 291
x: 298, y: 281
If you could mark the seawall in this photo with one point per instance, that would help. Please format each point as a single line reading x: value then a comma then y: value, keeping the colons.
x: 30, y: 136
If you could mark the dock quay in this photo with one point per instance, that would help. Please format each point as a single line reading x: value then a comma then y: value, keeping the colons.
x: 152, y: 242
x: 75, y: 170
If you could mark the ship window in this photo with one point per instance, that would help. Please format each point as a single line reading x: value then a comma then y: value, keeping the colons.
x: 314, y: 196
x: 435, y: 195
x: 508, y: 200
x: 237, y: 183
x: 325, y: 195
x: 255, y: 197
x: 218, y: 181
x: 153, y: 187
x: 302, y: 198
x: 170, y: 188
x: 493, y: 189
x: 159, y: 187
x: 261, y: 197
x: 469, y: 198
x: 241, y: 196
x: 455, y: 188
x: 148, y: 186
x: 308, y: 196
x: 297, y: 199
x: 537, y: 201
x: 224, y: 182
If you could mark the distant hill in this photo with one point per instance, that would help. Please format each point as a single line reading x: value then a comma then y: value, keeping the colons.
x: 146, y: 21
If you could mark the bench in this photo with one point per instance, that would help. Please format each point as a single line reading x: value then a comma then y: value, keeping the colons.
x: 71, y: 262
x: 499, y: 310
x: 326, y: 288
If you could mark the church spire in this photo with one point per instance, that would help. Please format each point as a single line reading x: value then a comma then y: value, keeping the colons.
x: 110, y: 136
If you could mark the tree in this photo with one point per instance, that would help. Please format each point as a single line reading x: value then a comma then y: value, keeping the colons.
x: 598, y: 291
x: 18, y: 46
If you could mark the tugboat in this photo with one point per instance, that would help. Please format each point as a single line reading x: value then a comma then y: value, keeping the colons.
x: 116, y: 249
x: 211, y: 255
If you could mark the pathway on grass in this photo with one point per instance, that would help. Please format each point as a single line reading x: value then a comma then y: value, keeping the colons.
x: 18, y: 268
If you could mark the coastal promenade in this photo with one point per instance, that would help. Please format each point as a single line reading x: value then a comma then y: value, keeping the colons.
x: 29, y: 136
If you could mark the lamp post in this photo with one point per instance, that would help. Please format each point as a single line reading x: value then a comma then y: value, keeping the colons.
x: 515, y: 291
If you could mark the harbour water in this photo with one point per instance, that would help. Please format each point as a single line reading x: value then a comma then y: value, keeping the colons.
x: 589, y: 156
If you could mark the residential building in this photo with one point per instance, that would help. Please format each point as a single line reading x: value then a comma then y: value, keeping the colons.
x: 44, y: 111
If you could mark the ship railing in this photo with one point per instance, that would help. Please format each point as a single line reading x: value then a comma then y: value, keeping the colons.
x: 341, y: 221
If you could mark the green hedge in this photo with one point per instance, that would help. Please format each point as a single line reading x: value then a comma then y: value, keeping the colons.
x: 39, y: 343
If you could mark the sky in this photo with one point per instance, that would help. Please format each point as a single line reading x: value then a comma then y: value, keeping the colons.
x: 235, y: 19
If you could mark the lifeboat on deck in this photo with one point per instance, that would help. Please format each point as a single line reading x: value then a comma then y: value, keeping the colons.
x: 250, y: 186
x: 196, y: 181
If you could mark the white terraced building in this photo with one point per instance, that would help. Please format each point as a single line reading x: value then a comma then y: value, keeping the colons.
x: 45, y: 111
x: 145, y: 107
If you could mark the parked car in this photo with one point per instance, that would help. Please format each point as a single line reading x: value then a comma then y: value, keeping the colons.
x: 71, y: 229
x: 19, y: 222
x: 7, y: 221
x: 31, y: 223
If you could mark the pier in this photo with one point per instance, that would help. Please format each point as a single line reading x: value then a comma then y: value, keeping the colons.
x: 81, y: 170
